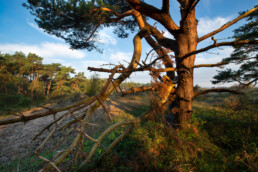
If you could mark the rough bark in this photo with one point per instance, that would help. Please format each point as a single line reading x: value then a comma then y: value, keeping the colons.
x: 181, y: 105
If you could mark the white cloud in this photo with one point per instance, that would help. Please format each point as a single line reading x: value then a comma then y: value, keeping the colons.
x: 206, y: 25
x: 83, y: 66
x: 47, y: 50
x: 33, y: 25
x: 121, y: 57
x: 141, y: 77
x: 105, y: 38
x: 203, y: 76
x: 213, y: 56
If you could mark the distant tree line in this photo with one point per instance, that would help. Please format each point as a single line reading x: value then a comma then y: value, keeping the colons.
x: 27, y: 75
x: 25, y: 78
x: 25, y: 81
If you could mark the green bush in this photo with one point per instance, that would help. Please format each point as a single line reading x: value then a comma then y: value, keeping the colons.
x: 24, y: 101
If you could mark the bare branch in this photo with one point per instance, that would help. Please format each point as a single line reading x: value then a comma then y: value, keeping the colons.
x: 228, y: 24
x: 219, y: 45
x: 106, y: 109
x: 107, y: 131
x: 107, y: 90
x: 117, y: 140
x: 249, y: 83
x: 147, y: 55
x: 210, y: 65
x: 86, y: 135
x: 216, y: 90
x: 133, y: 70
x: 138, y: 89
x: 39, y: 115
x: 48, y: 161
x: 162, y: 40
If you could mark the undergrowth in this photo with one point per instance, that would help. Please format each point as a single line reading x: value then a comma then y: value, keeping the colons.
x: 220, y: 137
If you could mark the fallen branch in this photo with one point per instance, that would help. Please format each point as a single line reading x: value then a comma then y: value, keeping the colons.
x: 104, y: 93
x: 39, y: 115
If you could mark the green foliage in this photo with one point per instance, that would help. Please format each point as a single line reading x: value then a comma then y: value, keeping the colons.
x: 75, y: 21
x: 95, y: 84
x: 220, y: 137
x: 232, y: 126
x: 244, y: 55
x: 62, y: 81
x: 30, y: 163
x: 24, y: 76
x: 7, y: 104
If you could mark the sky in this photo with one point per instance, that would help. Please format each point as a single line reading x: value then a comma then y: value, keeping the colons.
x: 19, y: 32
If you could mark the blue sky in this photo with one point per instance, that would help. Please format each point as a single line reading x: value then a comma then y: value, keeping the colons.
x: 19, y: 32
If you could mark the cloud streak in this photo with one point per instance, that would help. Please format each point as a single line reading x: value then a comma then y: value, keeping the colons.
x: 45, y: 50
x: 206, y: 25
x: 42, y: 31
x: 203, y: 76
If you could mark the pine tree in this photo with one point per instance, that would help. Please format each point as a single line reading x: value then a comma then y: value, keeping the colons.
x: 78, y: 22
x: 244, y: 55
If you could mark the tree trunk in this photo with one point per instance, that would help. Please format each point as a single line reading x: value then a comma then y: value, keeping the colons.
x: 181, y: 106
x: 49, y: 86
x: 31, y: 94
x: 19, y: 89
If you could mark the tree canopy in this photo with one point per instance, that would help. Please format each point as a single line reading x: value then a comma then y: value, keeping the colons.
x: 78, y: 21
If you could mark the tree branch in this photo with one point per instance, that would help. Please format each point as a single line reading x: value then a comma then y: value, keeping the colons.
x: 216, y: 90
x: 133, y: 70
x: 92, y: 33
x: 219, y: 45
x: 162, y: 40
x: 119, y: 16
x: 165, y: 6
x: 39, y: 115
x: 103, y: 96
x: 228, y: 24
x: 249, y: 83
x: 210, y: 65
x: 190, y: 7
x: 158, y: 49
x: 138, y: 89
x: 154, y: 13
